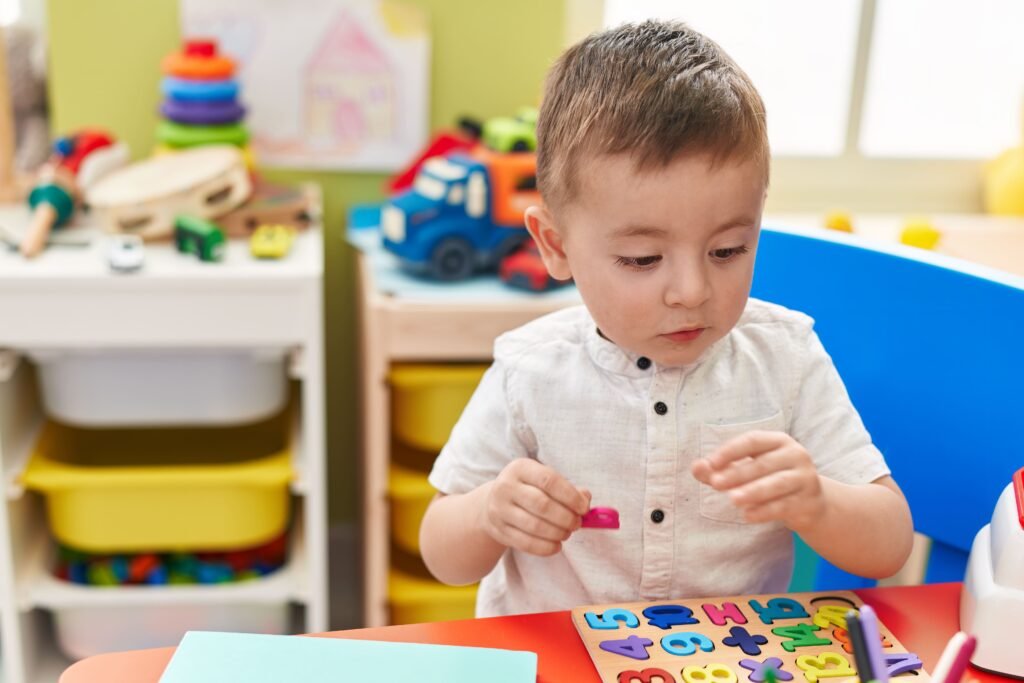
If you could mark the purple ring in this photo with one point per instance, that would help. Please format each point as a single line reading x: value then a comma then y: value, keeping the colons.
x: 202, y: 113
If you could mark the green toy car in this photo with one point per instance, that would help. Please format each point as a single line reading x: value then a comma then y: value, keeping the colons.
x: 193, y: 235
x: 506, y: 134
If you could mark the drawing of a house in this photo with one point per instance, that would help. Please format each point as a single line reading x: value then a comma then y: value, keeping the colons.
x: 350, y: 89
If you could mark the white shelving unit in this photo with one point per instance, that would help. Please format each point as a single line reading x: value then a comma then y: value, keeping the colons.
x: 68, y: 299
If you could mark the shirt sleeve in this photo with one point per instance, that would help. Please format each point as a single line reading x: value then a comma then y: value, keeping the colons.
x: 825, y: 422
x: 486, y: 438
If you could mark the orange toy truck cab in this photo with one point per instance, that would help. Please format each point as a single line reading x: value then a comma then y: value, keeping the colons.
x: 513, y: 184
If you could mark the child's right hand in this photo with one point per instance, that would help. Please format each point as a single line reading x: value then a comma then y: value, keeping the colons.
x: 532, y: 508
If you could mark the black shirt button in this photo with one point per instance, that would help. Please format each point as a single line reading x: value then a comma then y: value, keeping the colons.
x: 643, y: 362
x: 657, y: 516
x: 660, y: 408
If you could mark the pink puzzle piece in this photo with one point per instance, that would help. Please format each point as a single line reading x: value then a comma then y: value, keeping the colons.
x: 601, y: 518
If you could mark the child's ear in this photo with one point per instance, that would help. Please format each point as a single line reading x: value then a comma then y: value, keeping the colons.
x: 541, y: 224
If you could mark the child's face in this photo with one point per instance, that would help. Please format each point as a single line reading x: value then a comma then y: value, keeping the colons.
x: 663, y: 259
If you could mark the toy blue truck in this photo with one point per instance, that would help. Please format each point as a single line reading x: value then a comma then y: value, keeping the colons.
x: 463, y: 213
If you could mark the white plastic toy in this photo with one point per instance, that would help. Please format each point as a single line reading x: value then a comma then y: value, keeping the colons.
x: 125, y: 253
x: 992, y: 602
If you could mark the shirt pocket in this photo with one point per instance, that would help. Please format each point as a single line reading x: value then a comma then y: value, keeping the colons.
x: 714, y: 504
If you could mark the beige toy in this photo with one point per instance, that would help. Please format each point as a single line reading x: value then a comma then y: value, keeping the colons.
x: 145, y: 197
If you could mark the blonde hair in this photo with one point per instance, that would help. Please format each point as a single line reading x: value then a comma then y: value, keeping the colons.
x: 653, y: 90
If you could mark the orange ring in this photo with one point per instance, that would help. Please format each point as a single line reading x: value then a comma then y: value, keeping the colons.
x: 200, y: 68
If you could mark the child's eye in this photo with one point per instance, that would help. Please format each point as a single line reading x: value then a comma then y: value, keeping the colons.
x: 638, y: 262
x: 726, y: 254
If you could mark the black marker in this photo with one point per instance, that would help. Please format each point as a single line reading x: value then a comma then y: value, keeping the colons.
x: 860, y: 649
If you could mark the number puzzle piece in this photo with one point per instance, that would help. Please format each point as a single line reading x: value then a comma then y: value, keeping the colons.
x: 843, y: 636
x: 825, y: 665
x: 719, y: 615
x: 601, y: 518
x: 800, y: 635
x: 667, y: 616
x: 742, y: 638
x: 610, y: 619
x: 633, y: 647
x: 686, y: 643
x: 831, y: 615
x: 646, y: 676
x: 897, y: 663
x: 779, y: 608
x: 711, y: 673
x: 758, y: 669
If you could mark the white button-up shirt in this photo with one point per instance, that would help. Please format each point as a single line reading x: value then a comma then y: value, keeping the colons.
x: 564, y: 395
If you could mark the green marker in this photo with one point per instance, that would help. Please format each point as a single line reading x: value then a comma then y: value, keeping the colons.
x: 769, y: 675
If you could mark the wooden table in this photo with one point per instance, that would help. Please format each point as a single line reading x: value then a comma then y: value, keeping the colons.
x: 922, y: 617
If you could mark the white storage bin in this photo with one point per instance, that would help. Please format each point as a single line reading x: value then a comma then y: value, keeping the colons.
x: 87, y: 631
x: 130, y: 387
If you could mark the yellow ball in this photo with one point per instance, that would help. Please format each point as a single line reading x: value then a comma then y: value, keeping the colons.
x: 919, y: 232
x: 839, y: 220
x: 1004, y: 184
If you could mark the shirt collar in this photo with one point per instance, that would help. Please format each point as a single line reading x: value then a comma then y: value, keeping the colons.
x: 607, y: 355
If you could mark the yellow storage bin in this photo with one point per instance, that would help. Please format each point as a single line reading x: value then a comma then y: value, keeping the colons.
x: 139, y: 490
x: 426, y: 401
x: 410, y: 493
x: 416, y: 600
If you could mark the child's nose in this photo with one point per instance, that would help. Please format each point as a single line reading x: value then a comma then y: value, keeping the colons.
x: 687, y: 287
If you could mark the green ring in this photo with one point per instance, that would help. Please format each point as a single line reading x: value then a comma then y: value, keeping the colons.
x: 178, y: 135
x: 57, y: 197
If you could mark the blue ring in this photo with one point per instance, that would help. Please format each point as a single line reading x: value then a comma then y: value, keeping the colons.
x: 204, y: 91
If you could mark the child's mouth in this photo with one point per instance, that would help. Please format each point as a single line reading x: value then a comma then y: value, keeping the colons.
x: 685, y: 335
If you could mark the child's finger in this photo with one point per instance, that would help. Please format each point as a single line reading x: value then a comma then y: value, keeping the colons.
x: 587, y: 494
x: 748, y: 445
x: 769, y: 512
x: 540, y: 504
x: 701, y: 470
x: 557, y: 488
x: 535, y: 526
x: 767, y: 489
x: 741, y: 472
x: 520, y: 540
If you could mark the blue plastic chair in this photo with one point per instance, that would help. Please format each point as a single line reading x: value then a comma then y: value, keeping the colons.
x: 930, y: 349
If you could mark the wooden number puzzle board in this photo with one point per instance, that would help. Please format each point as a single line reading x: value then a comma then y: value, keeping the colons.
x: 733, y: 640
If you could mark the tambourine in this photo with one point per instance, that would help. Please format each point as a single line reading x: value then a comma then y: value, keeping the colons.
x: 145, y: 197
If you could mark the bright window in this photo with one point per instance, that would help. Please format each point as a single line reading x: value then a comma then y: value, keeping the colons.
x: 799, y: 53
x: 946, y: 79
x: 10, y: 10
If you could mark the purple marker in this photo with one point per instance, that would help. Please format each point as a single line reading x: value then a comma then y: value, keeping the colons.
x: 873, y: 643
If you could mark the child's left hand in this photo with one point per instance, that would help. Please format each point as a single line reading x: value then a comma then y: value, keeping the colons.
x: 768, y: 475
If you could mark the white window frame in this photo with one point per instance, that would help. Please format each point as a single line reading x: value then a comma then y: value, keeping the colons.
x: 849, y: 181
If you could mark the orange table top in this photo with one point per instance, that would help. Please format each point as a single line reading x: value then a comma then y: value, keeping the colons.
x: 922, y: 617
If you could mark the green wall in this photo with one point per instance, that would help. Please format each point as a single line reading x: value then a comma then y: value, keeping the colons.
x: 488, y: 58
